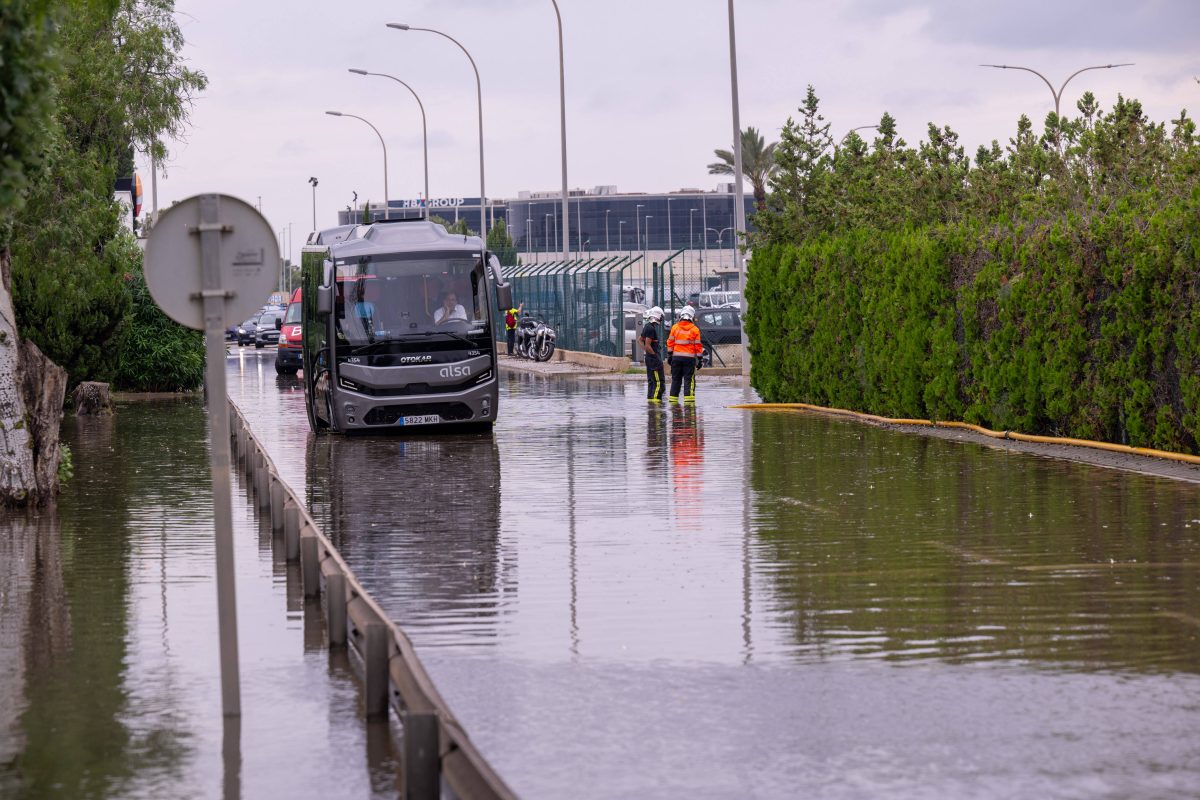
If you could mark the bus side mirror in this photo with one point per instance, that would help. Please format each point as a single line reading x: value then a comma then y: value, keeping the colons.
x: 504, y: 295
x: 324, y: 301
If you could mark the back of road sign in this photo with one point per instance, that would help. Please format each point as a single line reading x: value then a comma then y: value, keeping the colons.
x: 248, y: 261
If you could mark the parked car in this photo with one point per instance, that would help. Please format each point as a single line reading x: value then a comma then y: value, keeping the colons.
x: 268, y: 328
x: 598, y: 332
x: 719, y: 325
x: 245, y: 331
x: 287, y: 357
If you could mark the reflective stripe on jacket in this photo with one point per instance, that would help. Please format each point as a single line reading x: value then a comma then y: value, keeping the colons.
x: 685, y: 339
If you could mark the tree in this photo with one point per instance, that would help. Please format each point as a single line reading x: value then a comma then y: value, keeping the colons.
x: 84, y: 83
x: 758, y: 164
x: 500, y: 243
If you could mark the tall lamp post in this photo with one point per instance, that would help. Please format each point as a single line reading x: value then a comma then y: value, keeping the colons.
x: 646, y: 241
x: 479, y: 100
x: 1057, y: 94
x: 529, y: 238
x: 620, y: 235
x: 386, y: 206
x: 739, y: 211
x: 546, y: 233
x: 562, y: 114
x: 637, y: 219
x: 607, y: 211
x: 313, y: 181
x: 424, y: 131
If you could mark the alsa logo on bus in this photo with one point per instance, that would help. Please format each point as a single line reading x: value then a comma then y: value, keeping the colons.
x: 455, y: 372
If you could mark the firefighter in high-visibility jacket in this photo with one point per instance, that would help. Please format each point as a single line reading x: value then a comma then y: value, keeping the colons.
x: 684, y: 349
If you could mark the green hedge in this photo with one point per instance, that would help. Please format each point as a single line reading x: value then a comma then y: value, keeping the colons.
x: 156, y: 353
x: 1083, y: 326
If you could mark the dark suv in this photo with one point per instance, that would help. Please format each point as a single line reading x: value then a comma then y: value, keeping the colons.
x: 268, y: 331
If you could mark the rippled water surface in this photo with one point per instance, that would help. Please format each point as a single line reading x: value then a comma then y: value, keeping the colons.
x: 704, y: 602
x: 109, y: 680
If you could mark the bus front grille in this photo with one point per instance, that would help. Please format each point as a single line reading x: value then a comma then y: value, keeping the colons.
x: 389, y: 415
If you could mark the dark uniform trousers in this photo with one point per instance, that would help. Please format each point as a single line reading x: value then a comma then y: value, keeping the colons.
x: 510, y: 338
x: 655, y: 377
x: 683, y: 376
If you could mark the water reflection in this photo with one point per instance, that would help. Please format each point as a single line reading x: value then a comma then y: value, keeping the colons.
x: 418, y: 520
x: 910, y: 548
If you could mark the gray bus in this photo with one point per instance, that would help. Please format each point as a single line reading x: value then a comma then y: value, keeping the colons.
x: 397, y: 320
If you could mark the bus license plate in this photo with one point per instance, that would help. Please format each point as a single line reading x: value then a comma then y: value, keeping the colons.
x: 421, y: 419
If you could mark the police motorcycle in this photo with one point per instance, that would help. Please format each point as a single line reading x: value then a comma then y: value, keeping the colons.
x: 535, y: 339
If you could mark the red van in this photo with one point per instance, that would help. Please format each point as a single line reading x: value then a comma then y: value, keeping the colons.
x: 287, y: 357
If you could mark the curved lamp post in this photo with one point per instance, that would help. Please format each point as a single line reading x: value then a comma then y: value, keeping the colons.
x: 386, y: 207
x: 1057, y: 95
x: 479, y: 100
x: 424, y: 130
x: 859, y: 128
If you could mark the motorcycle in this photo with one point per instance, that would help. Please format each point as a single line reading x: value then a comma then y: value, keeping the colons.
x: 535, y: 339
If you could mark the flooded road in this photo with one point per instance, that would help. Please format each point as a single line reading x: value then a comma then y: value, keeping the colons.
x: 109, y: 679
x: 620, y: 601
x: 616, y: 601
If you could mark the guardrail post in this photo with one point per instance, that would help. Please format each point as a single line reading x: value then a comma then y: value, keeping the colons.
x: 335, y: 608
x: 276, y: 504
x: 310, y: 569
x: 420, y: 765
x: 263, y: 484
x: 375, y: 664
x: 291, y: 530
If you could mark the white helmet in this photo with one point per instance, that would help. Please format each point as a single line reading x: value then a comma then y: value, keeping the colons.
x: 655, y: 314
x: 687, y: 313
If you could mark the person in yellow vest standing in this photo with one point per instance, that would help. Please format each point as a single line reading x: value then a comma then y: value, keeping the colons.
x: 510, y: 326
x: 683, y: 350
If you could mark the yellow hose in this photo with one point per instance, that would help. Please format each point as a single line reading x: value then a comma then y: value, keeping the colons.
x: 1018, y: 437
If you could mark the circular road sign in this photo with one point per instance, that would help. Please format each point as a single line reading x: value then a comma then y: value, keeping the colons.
x: 246, y: 262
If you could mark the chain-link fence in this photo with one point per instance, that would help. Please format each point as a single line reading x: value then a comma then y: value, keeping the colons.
x: 597, y: 305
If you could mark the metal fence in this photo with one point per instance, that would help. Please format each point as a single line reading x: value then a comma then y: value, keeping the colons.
x: 596, y: 305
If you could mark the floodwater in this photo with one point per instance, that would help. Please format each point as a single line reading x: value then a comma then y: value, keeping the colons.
x: 619, y: 601
x: 616, y: 601
x: 109, y: 678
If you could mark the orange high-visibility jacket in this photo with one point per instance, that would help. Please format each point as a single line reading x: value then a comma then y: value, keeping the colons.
x: 685, y: 339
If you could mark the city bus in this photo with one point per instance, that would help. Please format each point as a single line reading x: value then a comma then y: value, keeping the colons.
x: 397, y: 320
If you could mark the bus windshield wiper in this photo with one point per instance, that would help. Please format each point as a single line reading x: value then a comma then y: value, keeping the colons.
x: 362, y: 348
x: 451, y: 334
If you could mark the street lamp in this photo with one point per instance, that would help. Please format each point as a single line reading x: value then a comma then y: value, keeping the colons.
x: 546, y: 232
x: 479, y: 100
x: 669, y: 223
x: 1057, y: 95
x: 607, y: 211
x: 313, y: 181
x: 646, y: 241
x: 620, y: 235
x: 562, y: 113
x: 739, y: 212
x: 859, y: 128
x: 386, y: 206
x: 720, y: 234
x: 637, y: 218
x: 424, y: 133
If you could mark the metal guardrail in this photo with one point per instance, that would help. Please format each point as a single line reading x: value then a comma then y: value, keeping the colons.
x: 436, y: 747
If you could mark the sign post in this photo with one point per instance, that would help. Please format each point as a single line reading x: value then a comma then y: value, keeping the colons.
x: 209, y: 259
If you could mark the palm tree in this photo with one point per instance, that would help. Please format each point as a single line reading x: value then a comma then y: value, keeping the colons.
x: 758, y: 162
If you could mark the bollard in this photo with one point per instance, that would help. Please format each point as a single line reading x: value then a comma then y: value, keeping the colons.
x: 335, y: 608
x: 276, y: 505
x: 375, y: 665
x: 291, y: 530
x: 310, y: 570
x: 420, y: 765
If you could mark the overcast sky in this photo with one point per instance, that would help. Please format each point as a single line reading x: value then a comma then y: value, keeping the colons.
x: 647, y: 86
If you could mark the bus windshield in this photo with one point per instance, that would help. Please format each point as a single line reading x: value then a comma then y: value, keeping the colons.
x: 389, y: 298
